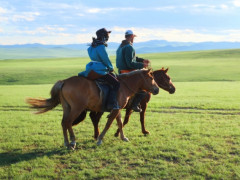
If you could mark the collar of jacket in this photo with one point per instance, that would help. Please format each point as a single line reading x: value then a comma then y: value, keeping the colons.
x: 125, y: 42
x: 97, y: 42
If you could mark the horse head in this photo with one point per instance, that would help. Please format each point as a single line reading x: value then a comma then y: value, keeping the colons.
x: 163, y: 80
x: 149, y: 83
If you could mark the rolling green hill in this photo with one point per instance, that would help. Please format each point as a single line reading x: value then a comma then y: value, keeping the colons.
x: 217, y: 65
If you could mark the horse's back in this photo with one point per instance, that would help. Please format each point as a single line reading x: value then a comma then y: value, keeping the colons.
x: 82, y: 91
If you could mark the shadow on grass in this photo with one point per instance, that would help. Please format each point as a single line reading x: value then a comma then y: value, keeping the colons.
x: 17, y: 156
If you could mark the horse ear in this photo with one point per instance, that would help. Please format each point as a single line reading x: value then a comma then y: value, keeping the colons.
x: 162, y: 68
x: 166, y: 70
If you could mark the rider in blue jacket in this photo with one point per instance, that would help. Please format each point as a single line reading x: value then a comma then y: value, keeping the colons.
x: 103, y: 66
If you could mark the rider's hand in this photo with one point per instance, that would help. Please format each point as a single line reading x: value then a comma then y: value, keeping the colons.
x: 146, y: 63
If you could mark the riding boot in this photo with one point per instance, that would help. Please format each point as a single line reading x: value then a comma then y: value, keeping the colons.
x: 136, y: 101
x: 112, y: 102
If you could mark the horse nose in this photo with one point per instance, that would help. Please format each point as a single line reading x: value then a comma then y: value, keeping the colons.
x: 172, y: 90
x: 155, y: 91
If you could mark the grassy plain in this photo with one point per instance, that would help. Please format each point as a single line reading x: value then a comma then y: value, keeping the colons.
x: 194, y: 132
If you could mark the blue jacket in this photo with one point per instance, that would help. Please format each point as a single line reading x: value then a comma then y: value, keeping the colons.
x: 100, y: 63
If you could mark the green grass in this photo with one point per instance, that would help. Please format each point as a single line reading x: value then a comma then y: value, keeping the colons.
x: 184, y: 66
x: 194, y: 132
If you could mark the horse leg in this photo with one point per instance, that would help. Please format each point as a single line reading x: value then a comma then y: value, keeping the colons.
x: 72, y: 138
x: 126, y: 119
x: 142, y: 118
x: 74, y: 113
x: 64, y: 128
x: 111, y: 117
x: 95, y: 117
x: 120, y: 127
x: 80, y: 118
x: 66, y: 111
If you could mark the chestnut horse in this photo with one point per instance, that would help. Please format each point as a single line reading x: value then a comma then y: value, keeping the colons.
x: 163, y: 81
x: 76, y: 94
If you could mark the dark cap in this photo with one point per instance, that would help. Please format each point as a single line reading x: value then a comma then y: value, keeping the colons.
x: 102, y: 32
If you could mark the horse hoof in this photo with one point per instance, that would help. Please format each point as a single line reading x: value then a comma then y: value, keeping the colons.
x: 146, y: 132
x: 125, y: 139
x: 72, y: 146
x: 116, y: 134
x: 66, y: 144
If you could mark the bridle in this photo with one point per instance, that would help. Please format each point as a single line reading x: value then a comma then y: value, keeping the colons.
x: 145, y: 81
x: 161, y: 76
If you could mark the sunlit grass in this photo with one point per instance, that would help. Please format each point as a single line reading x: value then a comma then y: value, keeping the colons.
x: 187, y: 139
x: 194, y: 133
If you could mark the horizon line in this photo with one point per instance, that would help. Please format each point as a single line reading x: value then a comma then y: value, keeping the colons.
x: 37, y: 43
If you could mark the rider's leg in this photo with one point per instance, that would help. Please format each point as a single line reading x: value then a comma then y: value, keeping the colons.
x: 136, y: 101
x: 112, y: 102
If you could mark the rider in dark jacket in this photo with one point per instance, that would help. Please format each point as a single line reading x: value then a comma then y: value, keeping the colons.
x: 127, y: 61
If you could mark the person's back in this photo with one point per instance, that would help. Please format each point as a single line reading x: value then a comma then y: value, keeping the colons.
x: 127, y: 61
x: 99, y: 54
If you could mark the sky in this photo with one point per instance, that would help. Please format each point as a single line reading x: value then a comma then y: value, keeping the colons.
x: 76, y: 21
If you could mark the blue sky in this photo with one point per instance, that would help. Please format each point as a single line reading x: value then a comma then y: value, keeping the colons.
x: 76, y: 21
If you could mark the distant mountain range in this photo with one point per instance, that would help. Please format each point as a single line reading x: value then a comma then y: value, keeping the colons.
x: 79, y: 50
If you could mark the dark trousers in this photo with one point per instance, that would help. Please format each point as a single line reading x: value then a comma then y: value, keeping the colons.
x: 112, y: 102
x: 112, y: 80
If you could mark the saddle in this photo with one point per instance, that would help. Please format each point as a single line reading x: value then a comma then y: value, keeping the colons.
x: 104, y: 89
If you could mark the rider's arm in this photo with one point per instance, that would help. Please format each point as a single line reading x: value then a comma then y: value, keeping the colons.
x: 139, y: 59
x: 131, y: 59
x: 104, y: 57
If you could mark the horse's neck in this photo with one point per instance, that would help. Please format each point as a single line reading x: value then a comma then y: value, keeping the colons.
x: 132, y: 82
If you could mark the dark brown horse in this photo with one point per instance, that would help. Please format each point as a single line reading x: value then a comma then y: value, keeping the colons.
x: 161, y: 78
x: 77, y: 94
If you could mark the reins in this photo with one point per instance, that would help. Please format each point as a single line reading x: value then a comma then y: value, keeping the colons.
x: 124, y: 82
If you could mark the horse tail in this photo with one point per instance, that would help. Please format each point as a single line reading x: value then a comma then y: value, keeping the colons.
x: 44, y: 105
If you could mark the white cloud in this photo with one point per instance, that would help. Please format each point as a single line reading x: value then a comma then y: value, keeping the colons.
x: 47, y: 30
x: 3, y: 19
x: 166, y: 8
x: 181, y: 35
x: 236, y: 3
x: 3, y: 15
x: 7, y: 15
x: 25, y: 16
x: 94, y: 10
x: 224, y: 6
x: 105, y: 10
x: 60, y: 38
x: 117, y: 35
x: 201, y: 8
x: 2, y: 10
